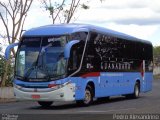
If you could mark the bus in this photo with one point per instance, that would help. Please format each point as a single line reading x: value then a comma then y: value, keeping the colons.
x: 80, y: 62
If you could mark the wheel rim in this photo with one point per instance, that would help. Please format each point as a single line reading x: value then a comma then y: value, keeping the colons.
x: 87, y: 97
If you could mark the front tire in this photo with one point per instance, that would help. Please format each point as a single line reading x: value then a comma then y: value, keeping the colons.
x: 45, y: 104
x: 88, y: 100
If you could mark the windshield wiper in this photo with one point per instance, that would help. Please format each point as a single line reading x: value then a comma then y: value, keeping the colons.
x: 33, y: 66
x: 30, y: 70
x: 42, y: 50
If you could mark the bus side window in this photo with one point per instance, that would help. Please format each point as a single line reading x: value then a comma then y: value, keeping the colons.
x: 148, y: 52
x: 75, y: 58
x: 92, y: 58
x: 72, y: 63
x: 79, y: 36
x: 129, y: 50
x: 139, y: 51
x: 121, y: 48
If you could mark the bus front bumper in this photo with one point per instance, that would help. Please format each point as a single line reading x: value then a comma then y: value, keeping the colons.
x: 65, y: 93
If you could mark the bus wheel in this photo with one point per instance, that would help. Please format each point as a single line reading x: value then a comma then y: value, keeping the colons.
x: 88, y: 97
x: 45, y: 103
x: 136, y: 91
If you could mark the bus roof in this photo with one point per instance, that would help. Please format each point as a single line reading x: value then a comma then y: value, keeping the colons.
x: 62, y: 29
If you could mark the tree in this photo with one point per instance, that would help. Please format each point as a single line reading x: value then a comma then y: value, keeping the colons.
x: 13, y: 18
x: 156, y: 55
x: 63, y: 10
x: 2, y: 71
x: 2, y: 65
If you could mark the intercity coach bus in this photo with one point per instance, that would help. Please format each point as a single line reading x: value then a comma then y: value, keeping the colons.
x: 80, y: 62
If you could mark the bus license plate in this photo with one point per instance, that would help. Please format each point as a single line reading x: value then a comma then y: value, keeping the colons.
x: 35, y: 96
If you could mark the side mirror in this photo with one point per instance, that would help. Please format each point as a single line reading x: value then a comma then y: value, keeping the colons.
x: 68, y: 47
x: 8, y: 49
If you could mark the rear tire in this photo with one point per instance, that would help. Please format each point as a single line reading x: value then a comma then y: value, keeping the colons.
x: 136, y: 92
x: 45, y: 104
x: 88, y: 100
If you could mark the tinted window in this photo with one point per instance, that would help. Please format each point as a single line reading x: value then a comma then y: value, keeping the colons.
x: 75, y: 57
x: 31, y: 42
x: 129, y: 49
x: 148, y: 52
x: 139, y: 51
x: 121, y: 48
x: 78, y: 36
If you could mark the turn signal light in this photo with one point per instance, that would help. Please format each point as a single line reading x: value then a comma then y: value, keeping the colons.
x: 52, y: 85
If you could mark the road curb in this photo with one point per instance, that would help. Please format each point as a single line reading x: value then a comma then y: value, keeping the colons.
x: 4, y: 100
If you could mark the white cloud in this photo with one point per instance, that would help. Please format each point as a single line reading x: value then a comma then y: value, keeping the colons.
x: 37, y: 16
x: 143, y: 32
x: 139, y: 18
x: 123, y: 12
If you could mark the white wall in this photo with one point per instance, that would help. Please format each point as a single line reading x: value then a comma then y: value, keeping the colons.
x: 6, y: 92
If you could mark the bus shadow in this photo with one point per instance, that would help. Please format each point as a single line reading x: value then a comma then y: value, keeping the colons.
x: 57, y: 107
x: 111, y: 100
x: 73, y: 105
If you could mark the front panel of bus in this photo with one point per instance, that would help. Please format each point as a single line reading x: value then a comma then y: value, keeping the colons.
x: 41, y: 68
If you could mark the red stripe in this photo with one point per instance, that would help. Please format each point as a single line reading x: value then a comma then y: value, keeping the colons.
x: 91, y: 74
x: 141, y: 69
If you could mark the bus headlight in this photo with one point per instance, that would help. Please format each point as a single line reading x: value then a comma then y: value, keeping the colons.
x: 54, y: 86
x: 57, y: 86
x: 17, y: 86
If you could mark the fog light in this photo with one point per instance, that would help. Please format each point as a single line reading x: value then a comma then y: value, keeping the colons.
x: 61, y: 95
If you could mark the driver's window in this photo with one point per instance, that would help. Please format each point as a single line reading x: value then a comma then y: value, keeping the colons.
x: 73, y: 61
x: 79, y: 36
x: 75, y: 57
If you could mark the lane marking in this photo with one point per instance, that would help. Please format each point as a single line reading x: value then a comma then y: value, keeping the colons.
x: 101, y: 111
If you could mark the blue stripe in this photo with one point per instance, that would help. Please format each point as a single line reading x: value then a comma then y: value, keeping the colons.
x: 38, y: 84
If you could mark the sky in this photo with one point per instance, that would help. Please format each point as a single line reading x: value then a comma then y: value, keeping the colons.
x: 139, y: 18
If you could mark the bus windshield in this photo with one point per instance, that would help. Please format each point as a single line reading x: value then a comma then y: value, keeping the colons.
x: 41, y: 58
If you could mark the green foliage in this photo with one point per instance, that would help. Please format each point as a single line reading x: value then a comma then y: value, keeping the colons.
x: 63, y: 11
x: 8, y: 81
x: 156, y: 55
x: 50, y: 9
x: 156, y: 51
x: 2, y: 63
x: 84, y: 6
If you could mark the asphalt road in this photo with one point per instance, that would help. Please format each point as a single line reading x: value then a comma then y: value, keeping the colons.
x: 148, y: 103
